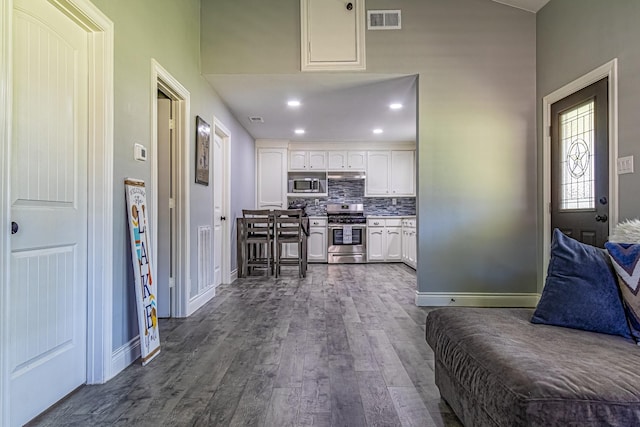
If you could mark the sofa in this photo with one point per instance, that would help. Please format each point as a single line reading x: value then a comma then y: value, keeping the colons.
x: 496, y: 368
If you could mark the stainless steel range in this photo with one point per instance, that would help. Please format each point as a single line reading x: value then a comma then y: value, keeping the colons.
x: 347, y: 238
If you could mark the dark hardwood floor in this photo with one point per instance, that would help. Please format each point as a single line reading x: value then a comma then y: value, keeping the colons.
x: 343, y: 347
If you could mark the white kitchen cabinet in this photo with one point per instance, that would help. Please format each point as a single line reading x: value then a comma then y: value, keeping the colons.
x: 317, y: 160
x: 393, y: 243
x: 391, y: 173
x: 317, y: 240
x: 375, y: 243
x: 332, y: 35
x: 297, y: 160
x: 403, y: 173
x: 271, y: 178
x: 409, y: 242
x: 346, y: 160
x: 384, y: 240
x: 307, y: 160
x: 378, y: 168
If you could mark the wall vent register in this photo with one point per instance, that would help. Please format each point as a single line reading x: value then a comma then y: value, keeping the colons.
x: 384, y: 19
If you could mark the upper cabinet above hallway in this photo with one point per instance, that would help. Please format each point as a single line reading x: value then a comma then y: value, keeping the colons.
x: 332, y: 35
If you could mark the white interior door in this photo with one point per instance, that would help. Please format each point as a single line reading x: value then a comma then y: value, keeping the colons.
x: 48, y: 278
x: 218, y: 178
x: 165, y: 207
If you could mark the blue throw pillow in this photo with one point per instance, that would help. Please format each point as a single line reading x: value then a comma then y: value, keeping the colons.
x: 581, y: 290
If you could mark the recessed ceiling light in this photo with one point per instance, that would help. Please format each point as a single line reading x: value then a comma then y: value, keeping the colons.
x: 377, y: 131
x: 395, y: 106
x: 293, y: 103
x: 299, y: 131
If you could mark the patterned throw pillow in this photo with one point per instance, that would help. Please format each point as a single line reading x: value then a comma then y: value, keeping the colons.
x: 626, y: 262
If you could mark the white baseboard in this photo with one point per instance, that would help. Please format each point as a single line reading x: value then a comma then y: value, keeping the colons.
x: 125, y: 356
x: 472, y: 299
x: 234, y: 276
x: 200, y: 300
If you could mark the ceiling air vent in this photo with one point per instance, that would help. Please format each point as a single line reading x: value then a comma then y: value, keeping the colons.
x: 256, y: 119
x: 384, y: 19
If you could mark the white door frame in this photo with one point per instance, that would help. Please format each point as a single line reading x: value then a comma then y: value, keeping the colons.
x: 162, y: 80
x: 100, y: 187
x: 223, y: 132
x: 610, y: 70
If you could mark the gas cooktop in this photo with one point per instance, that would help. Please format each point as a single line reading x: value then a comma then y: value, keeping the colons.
x: 346, y: 214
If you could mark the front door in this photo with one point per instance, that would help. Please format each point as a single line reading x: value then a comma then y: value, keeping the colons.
x: 218, y: 177
x: 580, y: 164
x: 48, y: 276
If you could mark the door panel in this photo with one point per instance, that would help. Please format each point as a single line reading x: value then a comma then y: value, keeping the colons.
x: 48, y: 284
x: 580, y: 164
x: 218, y: 175
x: 165, y: 223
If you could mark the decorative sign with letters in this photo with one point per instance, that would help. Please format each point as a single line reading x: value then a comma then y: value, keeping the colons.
x: 141, y: 258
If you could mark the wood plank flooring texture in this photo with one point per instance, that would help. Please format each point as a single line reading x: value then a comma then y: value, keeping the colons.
x: 342, y: 347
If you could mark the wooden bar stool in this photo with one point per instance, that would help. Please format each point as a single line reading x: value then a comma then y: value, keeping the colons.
x: 288, y: 230
x: 257, y: 239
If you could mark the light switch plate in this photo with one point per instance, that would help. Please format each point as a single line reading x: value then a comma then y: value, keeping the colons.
x: 625, y: 165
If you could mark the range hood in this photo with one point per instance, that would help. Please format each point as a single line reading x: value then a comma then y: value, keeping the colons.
x: 346, y: 175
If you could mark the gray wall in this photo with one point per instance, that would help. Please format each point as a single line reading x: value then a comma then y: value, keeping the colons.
x: 477, y: 207
x: 574, y: 38
x: 171, y: 35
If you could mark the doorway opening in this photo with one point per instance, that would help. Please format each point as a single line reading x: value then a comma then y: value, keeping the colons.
x: 165, y: 158
x: 170, y: 191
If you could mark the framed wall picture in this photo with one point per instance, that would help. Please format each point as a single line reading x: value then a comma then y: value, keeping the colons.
x: 203, y: 138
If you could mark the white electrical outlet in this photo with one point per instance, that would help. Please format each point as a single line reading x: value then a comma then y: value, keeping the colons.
x: 625, y: 165
x: 394, y: 202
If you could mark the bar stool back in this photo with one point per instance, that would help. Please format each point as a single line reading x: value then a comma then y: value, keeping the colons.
x: 288, y: 230
x: 257, y: 239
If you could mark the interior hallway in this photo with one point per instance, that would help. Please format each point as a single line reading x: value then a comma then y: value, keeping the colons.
x: 343, y: 347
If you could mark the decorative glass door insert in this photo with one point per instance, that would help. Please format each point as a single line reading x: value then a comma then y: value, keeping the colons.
x: 577, y: 157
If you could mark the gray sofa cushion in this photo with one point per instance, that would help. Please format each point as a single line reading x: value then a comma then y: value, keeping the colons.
x: 521, y: 374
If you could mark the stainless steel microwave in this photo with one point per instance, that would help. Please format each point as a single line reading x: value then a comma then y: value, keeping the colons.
x: 304, y: 185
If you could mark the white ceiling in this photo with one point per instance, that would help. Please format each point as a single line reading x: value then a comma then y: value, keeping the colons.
x: 530, y: 5
x: 335, y: 106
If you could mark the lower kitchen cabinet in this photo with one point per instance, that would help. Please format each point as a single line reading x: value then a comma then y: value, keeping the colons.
x: 409, y: 242
x: 384, y: 240
x: 317, y: 241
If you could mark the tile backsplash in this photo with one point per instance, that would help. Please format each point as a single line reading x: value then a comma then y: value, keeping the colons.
x: 352, y: 191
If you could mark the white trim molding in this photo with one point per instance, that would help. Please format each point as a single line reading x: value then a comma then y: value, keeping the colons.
x: 199, y: 300
x: 223, y: 132
x: 126, y: 355
x: 475, y: 299
x: 162, y: 79
x: 233, y: 276
x: 610, y: 70
x: 6, y: 41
